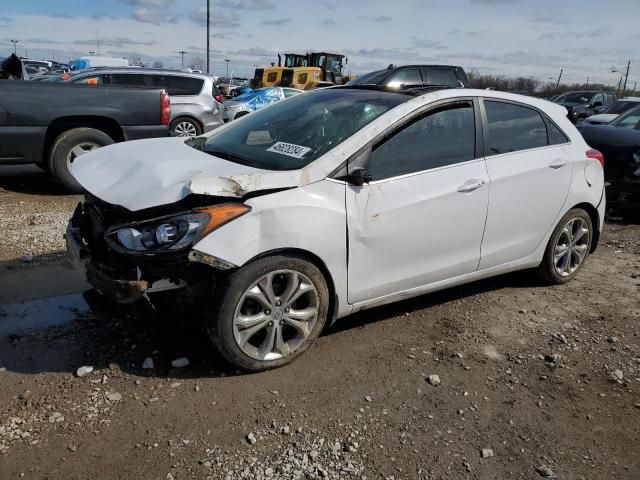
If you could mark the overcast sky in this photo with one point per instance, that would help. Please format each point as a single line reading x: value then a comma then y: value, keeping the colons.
x: 510, y: 37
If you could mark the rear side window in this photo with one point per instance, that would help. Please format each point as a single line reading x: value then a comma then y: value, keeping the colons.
x: 130, y: 79
x: 175, y: 85
x: 513, y: 128
x: 440, y: 76
x: 436, y: 139
x: 408, y: 76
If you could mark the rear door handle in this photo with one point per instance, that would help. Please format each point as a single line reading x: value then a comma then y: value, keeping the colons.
x: 557, y: 164
x: 470, y: 186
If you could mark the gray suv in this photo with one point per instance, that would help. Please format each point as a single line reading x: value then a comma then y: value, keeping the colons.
x: 196, y: 102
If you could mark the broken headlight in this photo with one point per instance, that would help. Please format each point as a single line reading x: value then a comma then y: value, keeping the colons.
x: 172, y: 233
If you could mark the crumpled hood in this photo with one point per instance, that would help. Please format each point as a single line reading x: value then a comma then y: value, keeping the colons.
x: 149, y: 173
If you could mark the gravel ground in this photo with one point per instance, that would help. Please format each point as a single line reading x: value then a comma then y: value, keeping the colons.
x: 532, y: 382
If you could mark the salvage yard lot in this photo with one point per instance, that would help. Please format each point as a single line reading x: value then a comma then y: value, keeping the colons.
x: 535, y: 376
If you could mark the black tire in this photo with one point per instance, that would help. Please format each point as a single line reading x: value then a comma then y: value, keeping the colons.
x: 219, y: 318
x: 62, y: 148
x: 240, y: 115
x: 547, y: 269
x: 190, y: 122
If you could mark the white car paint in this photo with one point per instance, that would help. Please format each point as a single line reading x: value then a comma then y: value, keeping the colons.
x: 406, y: 236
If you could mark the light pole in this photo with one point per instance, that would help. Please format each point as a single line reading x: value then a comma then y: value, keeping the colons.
x: 559, y: 78
x: 227, y: 60
x: 208, y: 37
x: 182, y: 54
x: 588, y: 81
x: 15, y: 42
x: 625, y: 75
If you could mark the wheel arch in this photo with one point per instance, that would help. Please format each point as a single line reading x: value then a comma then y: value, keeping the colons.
x: 63, y: 124
x: 595, y: 221
x: 317, y: 262
x: 188, y: 116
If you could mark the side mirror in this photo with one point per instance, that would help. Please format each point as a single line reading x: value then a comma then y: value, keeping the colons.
x: 358, y: 176
x: 597, y: 104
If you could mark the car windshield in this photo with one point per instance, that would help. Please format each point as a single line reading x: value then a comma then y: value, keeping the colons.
x: 621, y: 106
x: 575, y: 97
x: 373, y: 78
x: 293, y: 133
x: 631, y: 119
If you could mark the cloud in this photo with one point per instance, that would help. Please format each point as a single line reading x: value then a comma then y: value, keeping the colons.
x: 468, y: 33
x: 426, y: 43
x: 43, y: 40
x: 252, y: 52
x: 150, y: 3
x: 115, y: 42
x: 246, y: 4
x: 6, y: 20
x: 278, y: 22
x: 154, y: 17
x: 377, y: 19
x: 328, y: 5
x: 328, y: 22
x: 493, y: 2
x: 220, y: 20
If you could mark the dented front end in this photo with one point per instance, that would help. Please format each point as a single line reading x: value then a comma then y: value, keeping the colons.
x: 125, y: 276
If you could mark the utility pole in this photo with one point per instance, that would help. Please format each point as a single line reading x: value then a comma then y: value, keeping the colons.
x: 626, y: 77
x: 208, y: 37
x: 227, y: 60
x: 634, y: 87
x: 15, y: 42
x: 619, y: 83
x: 588, y: 81
x: 182, y: 53
x: 559, y: 78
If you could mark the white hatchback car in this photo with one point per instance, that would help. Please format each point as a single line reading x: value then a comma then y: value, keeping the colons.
x: 335, y: 201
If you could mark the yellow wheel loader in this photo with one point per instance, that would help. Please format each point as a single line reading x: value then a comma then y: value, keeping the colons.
x: 272, y: 76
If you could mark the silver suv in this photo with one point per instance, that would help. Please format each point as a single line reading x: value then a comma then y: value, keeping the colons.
x: 196, y: 102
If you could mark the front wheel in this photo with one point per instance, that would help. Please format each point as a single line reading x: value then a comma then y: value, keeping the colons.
x: 568, y: 247
x: 271, y: 311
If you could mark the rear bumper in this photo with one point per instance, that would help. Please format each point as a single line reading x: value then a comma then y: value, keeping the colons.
x: 139, y: 132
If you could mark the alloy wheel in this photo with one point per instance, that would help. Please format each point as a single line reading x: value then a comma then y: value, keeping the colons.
x: 186, y: 129
x: 571, y: 247
x: 276, y: 315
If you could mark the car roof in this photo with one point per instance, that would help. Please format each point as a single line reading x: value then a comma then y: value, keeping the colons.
x: 140, y: 70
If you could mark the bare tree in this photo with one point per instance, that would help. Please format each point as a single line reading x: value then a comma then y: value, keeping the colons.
x: 158, y: 64
x: 198, y: 63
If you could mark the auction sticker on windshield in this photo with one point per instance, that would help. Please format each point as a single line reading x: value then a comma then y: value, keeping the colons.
x: 289, y: 149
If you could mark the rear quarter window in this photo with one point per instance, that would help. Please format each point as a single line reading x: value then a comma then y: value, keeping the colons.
x: 176, y: 85
x: 441, y: 76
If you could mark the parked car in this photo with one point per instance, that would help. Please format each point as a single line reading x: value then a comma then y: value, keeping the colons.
x: 408, y: 76
x: 255, y: 100
x: 52, y: 125
x: 196, y: 102
x: 619, y: 142
x: 581, y: 105
x: 228, y: 85
x: 615, y: 110
x: 335, y: 201
x: 83, y: 63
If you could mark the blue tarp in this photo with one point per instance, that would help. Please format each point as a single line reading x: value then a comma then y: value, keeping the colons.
x: 257, y: 99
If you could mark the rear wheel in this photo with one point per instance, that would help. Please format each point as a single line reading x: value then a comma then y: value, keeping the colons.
x: 68, y: 147
x: 568, y: 247
x: 271, y: 311
x: 185, y: 127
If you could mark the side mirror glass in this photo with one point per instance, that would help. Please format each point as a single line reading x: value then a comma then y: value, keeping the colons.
x: 358, y: 176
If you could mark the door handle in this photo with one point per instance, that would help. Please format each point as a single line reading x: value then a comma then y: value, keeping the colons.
x: 470, y: 186
x: 557, y: 164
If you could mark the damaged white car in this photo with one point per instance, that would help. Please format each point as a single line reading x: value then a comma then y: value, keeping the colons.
x: 336, y: 201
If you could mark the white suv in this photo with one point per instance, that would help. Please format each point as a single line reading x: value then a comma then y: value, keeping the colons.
x: 336, y: 201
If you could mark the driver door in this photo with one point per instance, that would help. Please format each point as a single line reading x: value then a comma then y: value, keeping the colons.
x: 421, y: 218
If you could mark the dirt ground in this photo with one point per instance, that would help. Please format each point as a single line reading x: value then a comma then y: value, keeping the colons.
x: 534, y: 382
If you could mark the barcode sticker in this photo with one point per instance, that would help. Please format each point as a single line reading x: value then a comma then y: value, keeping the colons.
x: 289, y: 149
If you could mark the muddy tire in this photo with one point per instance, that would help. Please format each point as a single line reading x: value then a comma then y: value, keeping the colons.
x: 568, y: 248
x: 269, y: 313
x: 67, y: 147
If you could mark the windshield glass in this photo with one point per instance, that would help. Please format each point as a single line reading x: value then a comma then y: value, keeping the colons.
x: 295, y: 61
x: 621, y: 106
x: 631, y: 119
x: 373, y: 78
x: 293, y: 133
x: 575, y: 97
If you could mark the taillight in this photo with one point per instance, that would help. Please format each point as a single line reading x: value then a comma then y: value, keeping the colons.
x: 165, y: 108
x: 219, y: 98
x: 596, y: 155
